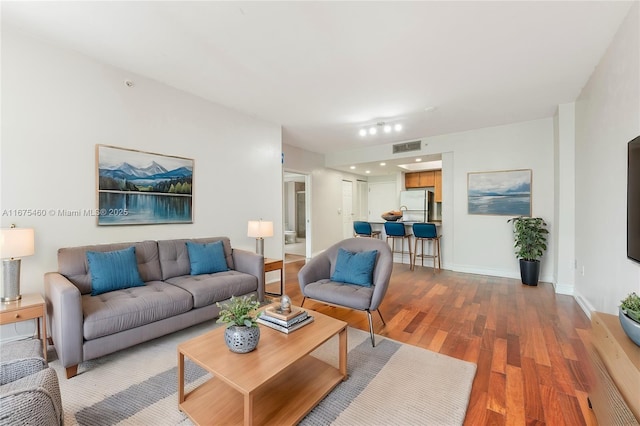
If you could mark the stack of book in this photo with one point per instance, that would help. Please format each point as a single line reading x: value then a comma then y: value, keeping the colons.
x: 273, y: 317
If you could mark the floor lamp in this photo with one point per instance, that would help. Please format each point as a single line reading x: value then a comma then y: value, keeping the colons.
x: 259, y: 229
x: 14, y: 244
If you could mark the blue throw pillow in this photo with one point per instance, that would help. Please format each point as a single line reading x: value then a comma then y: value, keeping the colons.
x: 113, y: 270
x: 355, y: 268
x: 206, y: 258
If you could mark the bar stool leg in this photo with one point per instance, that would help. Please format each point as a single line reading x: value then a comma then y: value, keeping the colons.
x: 415, y: 252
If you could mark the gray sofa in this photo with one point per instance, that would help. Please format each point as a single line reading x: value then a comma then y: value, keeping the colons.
x: 85, y: 327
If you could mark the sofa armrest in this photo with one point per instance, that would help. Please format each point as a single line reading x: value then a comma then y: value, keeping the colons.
x: 253, y: 264
x: 64, y: 309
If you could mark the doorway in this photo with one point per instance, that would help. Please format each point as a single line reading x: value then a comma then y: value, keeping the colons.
x: 296, y: 216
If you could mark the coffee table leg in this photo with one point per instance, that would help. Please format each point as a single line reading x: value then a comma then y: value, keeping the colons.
x: 248, y: 409
x: 343, y: 353
x: 180, y: 377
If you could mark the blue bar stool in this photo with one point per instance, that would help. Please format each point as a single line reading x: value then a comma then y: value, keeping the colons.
x: 426, y: 232
x: 363, y: 229
x: 395, y: 231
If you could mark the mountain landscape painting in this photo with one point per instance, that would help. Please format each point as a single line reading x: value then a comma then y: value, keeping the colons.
x: 500, y: 193
x: 136, y: 187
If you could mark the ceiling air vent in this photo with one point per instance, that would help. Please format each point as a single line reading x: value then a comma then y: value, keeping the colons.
x: 407, y: 146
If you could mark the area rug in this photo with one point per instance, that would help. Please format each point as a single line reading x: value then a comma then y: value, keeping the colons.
x: 391, y: 384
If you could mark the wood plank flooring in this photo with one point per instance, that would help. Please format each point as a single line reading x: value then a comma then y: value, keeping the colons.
x: 528, y: 342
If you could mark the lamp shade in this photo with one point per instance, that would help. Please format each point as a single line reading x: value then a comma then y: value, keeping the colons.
x: 260, y: 229
x: 16, y: 242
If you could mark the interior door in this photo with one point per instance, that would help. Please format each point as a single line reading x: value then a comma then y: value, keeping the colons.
x: 301, y: 218
x: 347, y: 209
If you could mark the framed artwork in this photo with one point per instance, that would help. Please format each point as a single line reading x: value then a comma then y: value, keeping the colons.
x: 142, y: 188
x: 506, y: 193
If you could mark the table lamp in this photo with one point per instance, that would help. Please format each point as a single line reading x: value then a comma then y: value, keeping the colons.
x: 259, y: 229
x: 14, y: 244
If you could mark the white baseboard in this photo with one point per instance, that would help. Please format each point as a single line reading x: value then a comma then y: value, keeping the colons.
x: 584, y: 304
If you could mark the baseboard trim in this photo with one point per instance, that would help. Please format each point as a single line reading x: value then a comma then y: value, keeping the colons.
x: 584, y: 304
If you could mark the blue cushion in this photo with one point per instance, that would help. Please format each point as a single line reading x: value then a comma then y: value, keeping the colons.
x: 206, y: 258
x: 355, y: 268
x: 113, y: 270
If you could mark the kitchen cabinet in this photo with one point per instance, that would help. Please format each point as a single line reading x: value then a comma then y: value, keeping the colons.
x: 419, y: 179
x: 438, y: 186
x: 431, y: 178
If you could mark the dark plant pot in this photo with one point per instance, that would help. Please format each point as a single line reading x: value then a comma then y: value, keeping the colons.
x: 529, y: 271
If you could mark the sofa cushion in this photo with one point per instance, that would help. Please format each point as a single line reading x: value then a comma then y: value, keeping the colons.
x: 72, y: 262
x: 120, y: 310
x: 206, y: 258
x: 113, y: 270
x: 211, y: 288
x: 355, y: 267
x: 174, y: 257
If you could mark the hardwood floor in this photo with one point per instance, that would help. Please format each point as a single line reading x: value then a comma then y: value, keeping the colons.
x: 528, y: 342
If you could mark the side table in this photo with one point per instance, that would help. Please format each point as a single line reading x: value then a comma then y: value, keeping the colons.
x: 274, y: 265
x: 30, y: 306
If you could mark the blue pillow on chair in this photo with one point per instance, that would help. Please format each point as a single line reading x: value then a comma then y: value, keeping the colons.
x: 113, y: 270
x: 355, y: 268
x: 206, y: 258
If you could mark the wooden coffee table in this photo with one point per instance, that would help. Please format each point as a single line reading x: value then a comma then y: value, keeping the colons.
x: 278, y: 383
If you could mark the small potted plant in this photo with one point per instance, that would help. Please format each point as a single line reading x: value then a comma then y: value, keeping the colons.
x: 239, y: 313
x: 629, y: 314
x: 530, y: 242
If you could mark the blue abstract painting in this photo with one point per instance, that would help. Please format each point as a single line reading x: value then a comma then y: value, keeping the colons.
x: 136, y: 187
x: 506, y: 193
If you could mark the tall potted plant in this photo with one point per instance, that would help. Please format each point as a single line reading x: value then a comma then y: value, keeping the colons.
x: 530, y: 242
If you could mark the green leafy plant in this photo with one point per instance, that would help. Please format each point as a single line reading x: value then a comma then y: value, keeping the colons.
x: 530, y: 234
x: 631, y: 306
x: 240, y: 311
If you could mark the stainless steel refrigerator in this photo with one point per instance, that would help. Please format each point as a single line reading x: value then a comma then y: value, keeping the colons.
x: 416, y: 205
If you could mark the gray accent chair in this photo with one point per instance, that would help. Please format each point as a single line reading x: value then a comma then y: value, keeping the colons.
x: 29, y: 391
x: 315, y: 282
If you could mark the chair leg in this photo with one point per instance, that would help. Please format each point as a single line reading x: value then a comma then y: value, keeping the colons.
x: 373, y: 339
x: 303, y: 299
x: 384, y: 323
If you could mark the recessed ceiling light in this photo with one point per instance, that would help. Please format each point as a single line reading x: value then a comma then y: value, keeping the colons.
x: 397, y: 127
x: 373, y: 130
x: 368, y: 171
x: 383, y: 164
x: 363, y: 132
x: 430, y: 109
x: 352, y: 167
x: 418, y: 160
x: 387, y: 128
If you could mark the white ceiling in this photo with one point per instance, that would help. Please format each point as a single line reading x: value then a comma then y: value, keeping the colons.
x: 322, y: 70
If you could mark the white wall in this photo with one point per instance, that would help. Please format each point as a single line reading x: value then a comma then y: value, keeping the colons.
x: 607, y: 117
x: 57, y: 105
x: 326, y: 195
x: 483, y: 243
x: 564, y: 200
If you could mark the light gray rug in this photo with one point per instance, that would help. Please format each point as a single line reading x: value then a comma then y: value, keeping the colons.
x: 391, y: 384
